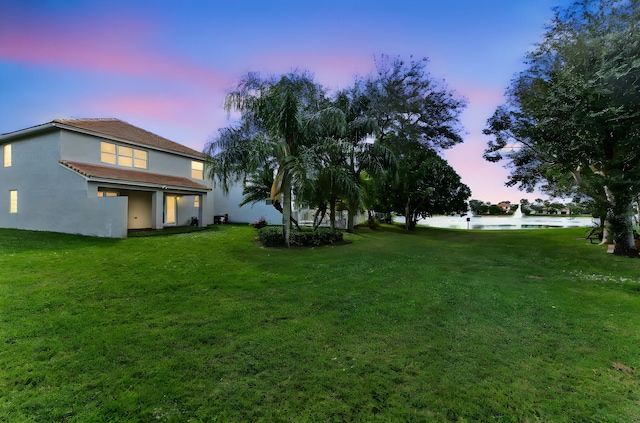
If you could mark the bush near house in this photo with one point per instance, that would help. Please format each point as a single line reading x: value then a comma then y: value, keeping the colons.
x: 260, y: 223
x: 271, y: 236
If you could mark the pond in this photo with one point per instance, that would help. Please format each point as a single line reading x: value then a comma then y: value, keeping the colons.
x: 505, y: 222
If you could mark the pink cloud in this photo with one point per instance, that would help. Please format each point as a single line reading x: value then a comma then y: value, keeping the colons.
x: 122, y: 49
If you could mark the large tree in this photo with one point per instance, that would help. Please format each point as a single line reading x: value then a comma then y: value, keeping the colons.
x: 416, y: 116
x: 363, y: 154
x: 576, y: 109
x: 276, y: 114
x: 411, y: 107
x: 424, y: 185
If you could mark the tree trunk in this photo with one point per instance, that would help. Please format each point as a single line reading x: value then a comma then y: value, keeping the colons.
x: 607, y: 226
x: 407, y: 215
x: 320, y: 213
x: 276, y: 205
x: 332, y: 213
x: 607, y: 233
x: 286, y: 212
x: 351, y: 218
x: 638, y: 210
x: 620, y: 215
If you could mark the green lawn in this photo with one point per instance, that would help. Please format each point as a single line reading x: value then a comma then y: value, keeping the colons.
x: 436, y: 325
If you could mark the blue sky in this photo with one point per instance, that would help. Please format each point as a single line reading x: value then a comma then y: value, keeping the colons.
x: 165, y: 66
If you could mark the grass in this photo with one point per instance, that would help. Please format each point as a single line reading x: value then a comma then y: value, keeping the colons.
x: 436, y: 325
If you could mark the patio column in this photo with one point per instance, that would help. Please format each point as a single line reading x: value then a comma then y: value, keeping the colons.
x: 157, y: 209
x: 201, y: 213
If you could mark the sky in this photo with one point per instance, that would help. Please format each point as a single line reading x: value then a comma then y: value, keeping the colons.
x: 166, y: 65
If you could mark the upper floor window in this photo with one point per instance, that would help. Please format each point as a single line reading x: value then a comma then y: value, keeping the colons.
x: 7, y: 155
x: 140, y: 159
x: 13, y: 201
x: 123, y: 156
x: 108, y: 153
x: 197, y: 170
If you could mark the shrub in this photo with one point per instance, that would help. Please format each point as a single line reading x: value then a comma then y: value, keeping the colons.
x: 271, y: 236
x: 321, y: 236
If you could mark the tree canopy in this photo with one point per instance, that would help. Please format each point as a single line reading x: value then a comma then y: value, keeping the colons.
x: 425, y: 185
x: 280, y: 117
x: 386, y: 129
x: 575, y: 111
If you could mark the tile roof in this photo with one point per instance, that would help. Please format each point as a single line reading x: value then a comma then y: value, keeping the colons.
x: 119, y: 174
x: 122, y: 130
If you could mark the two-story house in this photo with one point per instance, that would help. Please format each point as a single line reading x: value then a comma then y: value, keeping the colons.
x: 99, y: 177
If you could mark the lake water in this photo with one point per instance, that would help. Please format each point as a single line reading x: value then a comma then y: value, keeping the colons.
x: 504, y: 222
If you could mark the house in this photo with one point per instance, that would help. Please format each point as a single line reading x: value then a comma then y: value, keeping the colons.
x: 100, y: 177
x: 505, y: 206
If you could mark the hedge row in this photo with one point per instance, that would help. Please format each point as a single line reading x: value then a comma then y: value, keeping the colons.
x: 271, y: 236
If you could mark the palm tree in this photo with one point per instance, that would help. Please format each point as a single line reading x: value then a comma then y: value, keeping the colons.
x: 257, y: 189
x: 273, y: 129
x: 329, y: 182
x: 363, y: 153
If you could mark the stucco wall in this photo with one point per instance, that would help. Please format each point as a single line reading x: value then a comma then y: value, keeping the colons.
x: 139, y: 213
x: 186, y: 210
x: 79, y: 147
x: 86, y: 149
x: 228, y: 204
x: 52, y: 197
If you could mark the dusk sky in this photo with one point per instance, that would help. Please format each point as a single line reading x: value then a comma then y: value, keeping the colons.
x: 166, y: 66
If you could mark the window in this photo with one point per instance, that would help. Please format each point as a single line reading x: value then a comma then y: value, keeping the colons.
x: 7, y: 155
x: 13, y: 201
x: 107, y: 194
x: 140, y: 159
x: 123, y: 156
x: 170, y: 210
x: 197, y: 170
x: 196, y: 201
x: 107, y: 153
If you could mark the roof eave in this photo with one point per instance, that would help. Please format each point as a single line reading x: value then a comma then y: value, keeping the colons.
x: 52, y: 125
x: 144, y: 184
x: 27, y: 131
